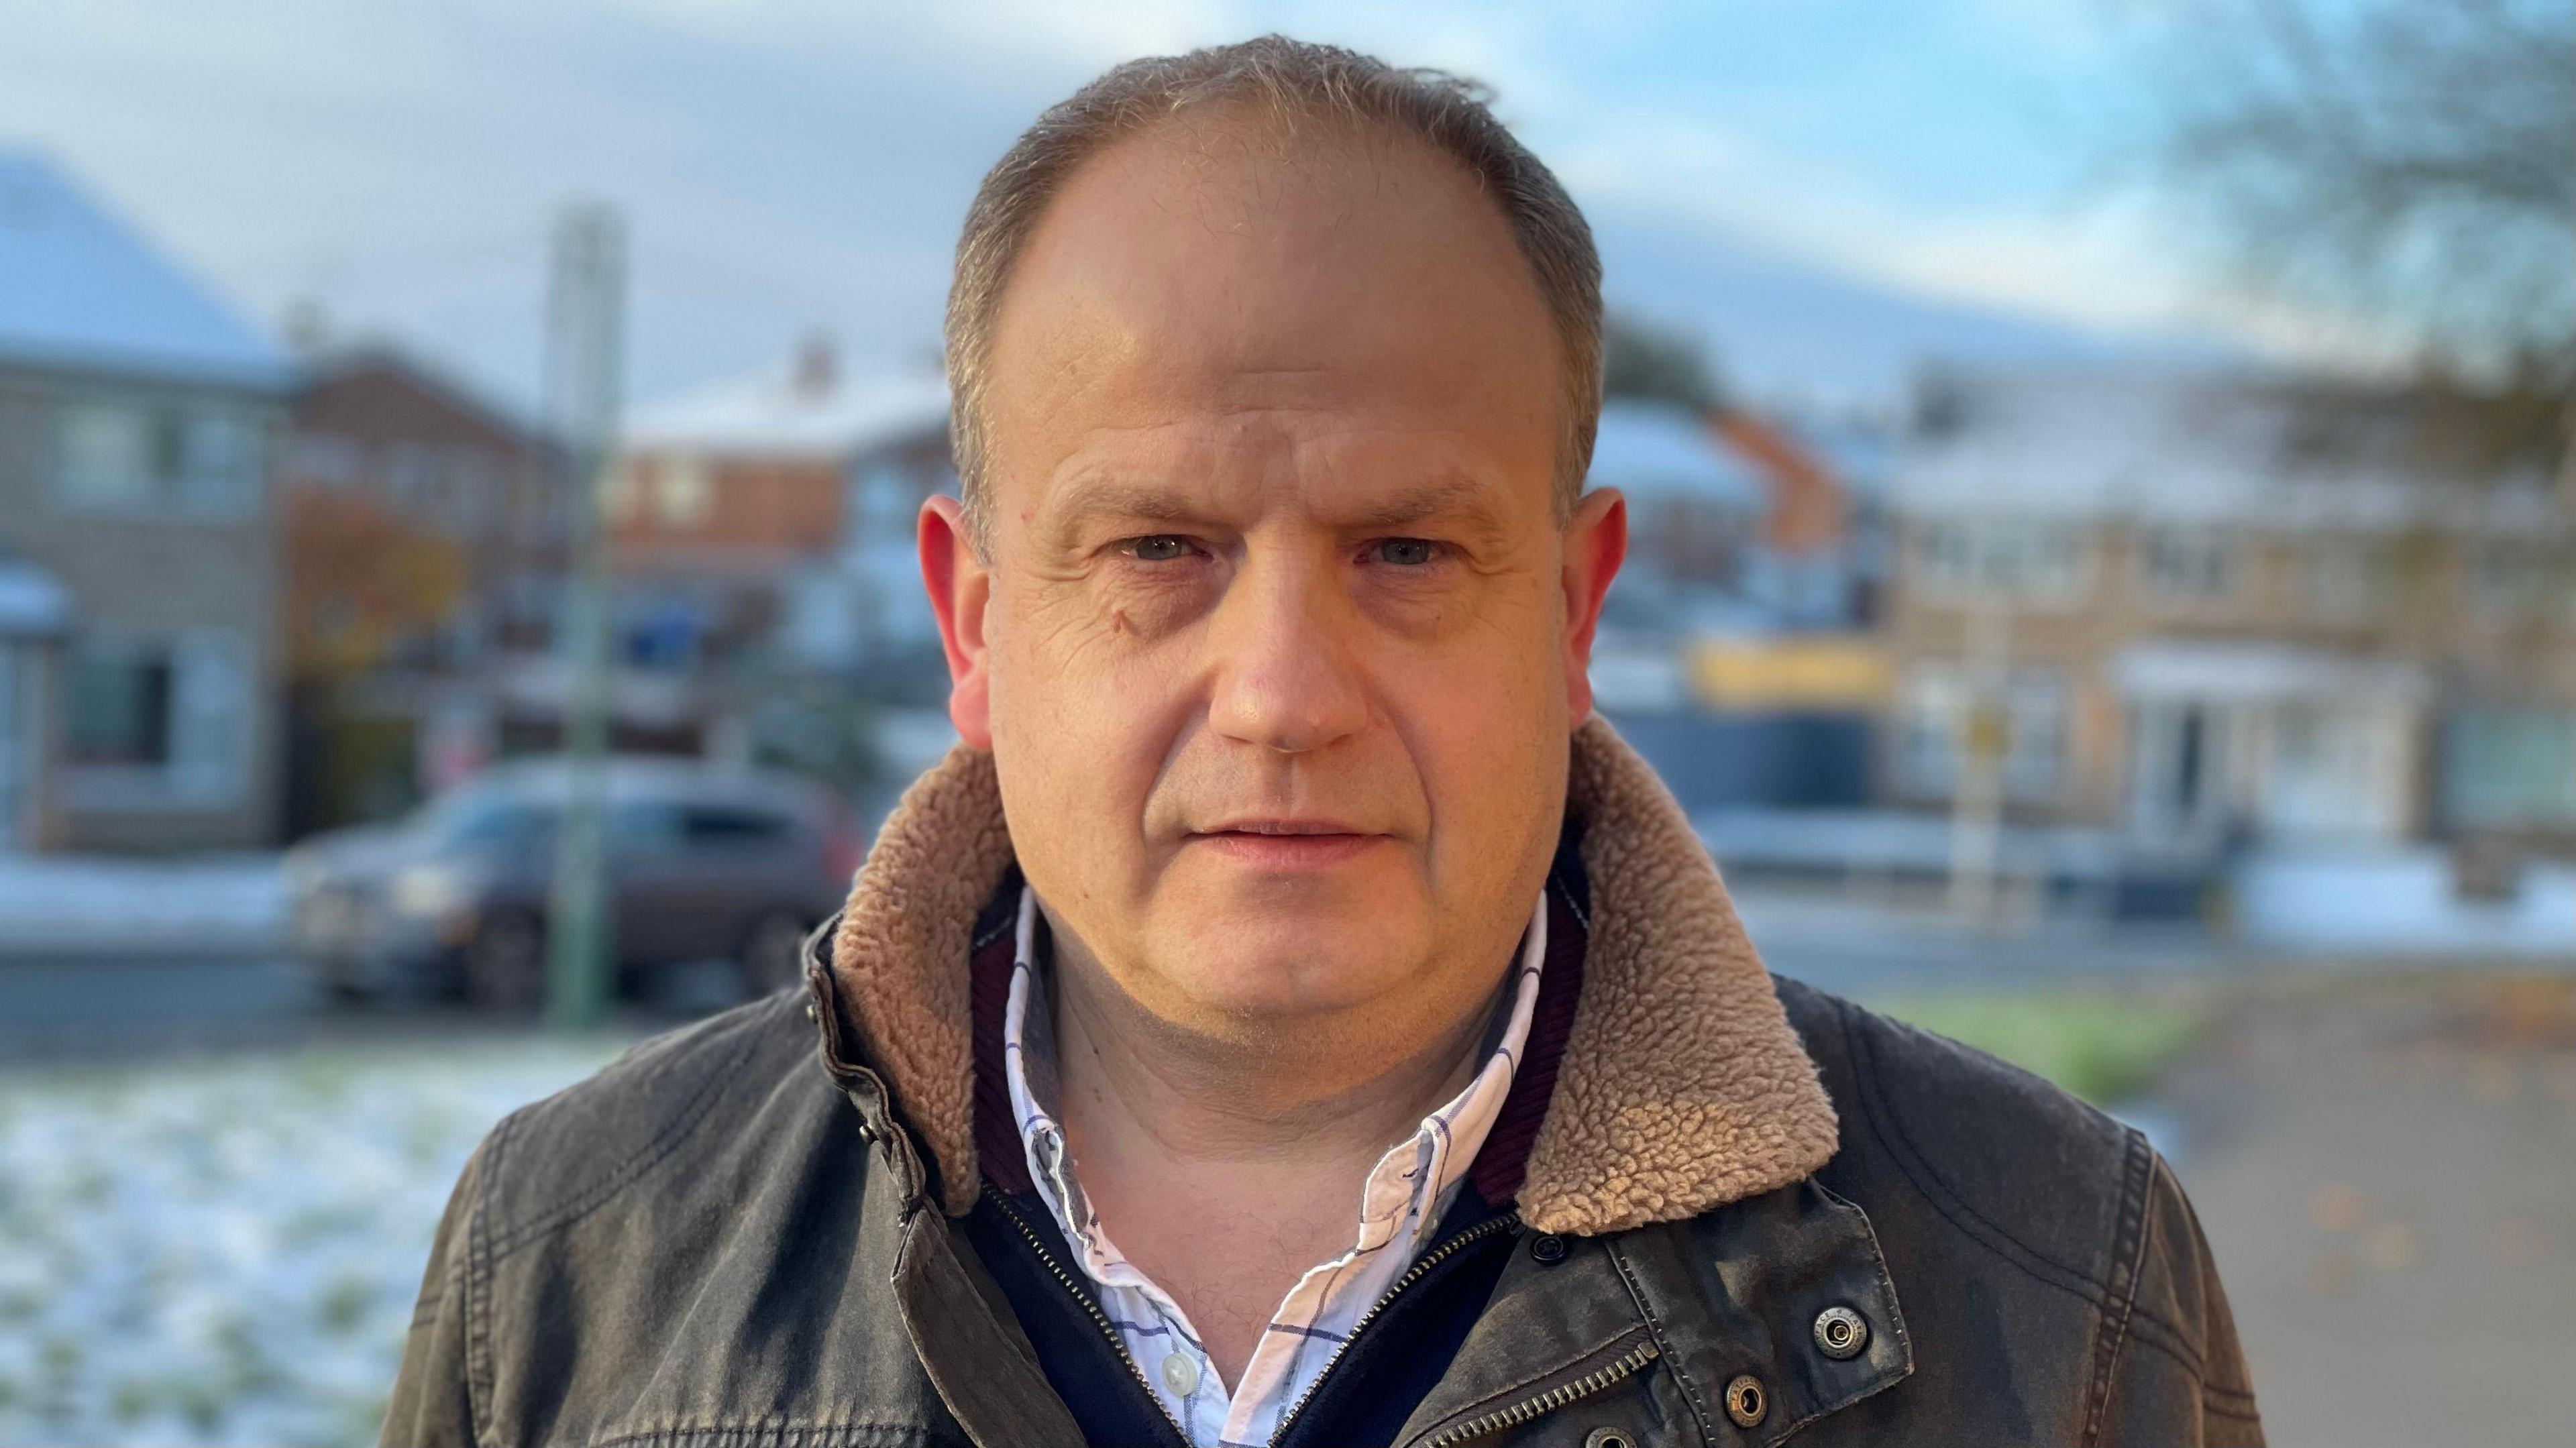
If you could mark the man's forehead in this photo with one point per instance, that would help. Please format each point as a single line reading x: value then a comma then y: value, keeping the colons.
x: 1179, y: 284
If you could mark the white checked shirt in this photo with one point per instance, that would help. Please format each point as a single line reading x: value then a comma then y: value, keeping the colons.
x: 1406, y: 1194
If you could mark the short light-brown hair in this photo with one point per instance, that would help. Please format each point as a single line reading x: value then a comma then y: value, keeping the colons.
x: 1294, y: 77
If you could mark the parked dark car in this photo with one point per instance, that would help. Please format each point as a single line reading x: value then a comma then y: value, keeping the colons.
x: 702, y: 862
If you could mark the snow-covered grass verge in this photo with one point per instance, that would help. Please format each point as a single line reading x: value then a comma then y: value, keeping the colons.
x: 228, y: 903
x: 227, y: 1251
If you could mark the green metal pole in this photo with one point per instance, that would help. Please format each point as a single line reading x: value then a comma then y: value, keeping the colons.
x: 586, y: 356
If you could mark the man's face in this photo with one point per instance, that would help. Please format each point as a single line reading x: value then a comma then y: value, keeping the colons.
x: 1278, y: 641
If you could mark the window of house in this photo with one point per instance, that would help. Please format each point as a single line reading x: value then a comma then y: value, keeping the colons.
x: 323, y: 460
x: 887, y: 501
x: 687, y: 494
x: 1943, y: 713
x: 218, y: 462
x: 2513, y: 581
x: 410, y: 475
x: 2509, y: 768
x: 621, y: 490
x: 2187, y: 565
x: 118, y: 706
x: 105, y: 456
x: 150, y: 721
x: 119, y: 455
x: 2029, y: 561
x: 2346, y: 577
x: 469, y: 487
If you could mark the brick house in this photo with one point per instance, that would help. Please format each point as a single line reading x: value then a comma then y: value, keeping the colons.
x: 138, y: 420
x: 769, y: 519
x: 424, y: 548
x: 2197, y: 609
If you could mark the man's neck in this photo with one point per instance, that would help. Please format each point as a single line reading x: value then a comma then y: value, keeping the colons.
x: 1325, y: 1091
x: 1225, y: 1168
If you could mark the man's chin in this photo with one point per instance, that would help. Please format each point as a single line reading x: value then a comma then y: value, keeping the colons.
x: 1262, y: 946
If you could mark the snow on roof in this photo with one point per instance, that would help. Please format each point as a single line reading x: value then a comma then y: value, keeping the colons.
x: 1650, y: 450
x: 2171, y: 446
x: 779, y: 413
x: 2260, y: 669
x: 80, y: 288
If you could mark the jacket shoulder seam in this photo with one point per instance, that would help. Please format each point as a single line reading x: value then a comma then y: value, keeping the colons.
x: 2128, y: 1255
x: 2153, y: 1330
x: 478, y: 1282
x: 2216, y: 1409
x: 2182, y: 1360
x: 656, y: 1149
x: 1952, y: 1207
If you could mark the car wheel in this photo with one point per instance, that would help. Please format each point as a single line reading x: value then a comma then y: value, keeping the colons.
x: 505, y: 963
x: 342, y: 991
x: 773, y: 952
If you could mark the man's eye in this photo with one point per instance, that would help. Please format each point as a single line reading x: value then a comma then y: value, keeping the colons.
x: 1406, y: 552
x: 1159, y: 547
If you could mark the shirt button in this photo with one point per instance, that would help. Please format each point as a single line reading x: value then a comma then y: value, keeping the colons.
x: 1180, y: 1374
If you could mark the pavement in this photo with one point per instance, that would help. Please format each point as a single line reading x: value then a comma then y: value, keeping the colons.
x: 112, y: 1007
x: 2386, y: 1170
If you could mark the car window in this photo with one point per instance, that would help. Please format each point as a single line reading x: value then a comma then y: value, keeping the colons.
x: 484, y: 821
x: 644, y: 826
x: 728, y: 827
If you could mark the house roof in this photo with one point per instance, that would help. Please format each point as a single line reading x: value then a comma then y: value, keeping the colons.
x: 784, y: 413
x: 1650, y: 450
x: 343, y: 361
x: 2184, y: 447
x: 80, y: 288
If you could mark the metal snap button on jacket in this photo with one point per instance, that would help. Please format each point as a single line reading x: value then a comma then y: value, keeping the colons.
x: 1548, y: 1247
x: 1606, y: 1438
x: 1746, y: 1403
x: 1841, y: 1333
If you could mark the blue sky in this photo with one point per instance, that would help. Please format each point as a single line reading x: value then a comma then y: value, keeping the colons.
x: 795, y: 164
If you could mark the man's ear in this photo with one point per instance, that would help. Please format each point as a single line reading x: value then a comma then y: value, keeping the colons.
x: 960, y: 587
x: 1596, y: 543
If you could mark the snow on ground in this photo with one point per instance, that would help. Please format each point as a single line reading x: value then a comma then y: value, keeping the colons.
x: 228, y: 1251
x: 223, y: 903
x: 2399, y: 902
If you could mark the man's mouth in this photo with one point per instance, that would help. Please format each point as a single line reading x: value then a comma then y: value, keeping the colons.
x: 1288, y: 844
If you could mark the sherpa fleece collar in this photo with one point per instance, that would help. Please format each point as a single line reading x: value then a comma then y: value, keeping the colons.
x: 1682, y: 1087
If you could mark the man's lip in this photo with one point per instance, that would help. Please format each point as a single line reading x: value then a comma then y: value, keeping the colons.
x: 1283, y: 827
x: 1291, y: 850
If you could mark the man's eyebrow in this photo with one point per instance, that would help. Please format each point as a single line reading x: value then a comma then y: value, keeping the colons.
x: 1463, y: 500
x: 1122, y: 498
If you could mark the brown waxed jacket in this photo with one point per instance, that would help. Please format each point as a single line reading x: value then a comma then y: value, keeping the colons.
x: 1764, y: 1212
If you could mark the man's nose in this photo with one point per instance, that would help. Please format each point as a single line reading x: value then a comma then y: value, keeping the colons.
x: 1287, y: 675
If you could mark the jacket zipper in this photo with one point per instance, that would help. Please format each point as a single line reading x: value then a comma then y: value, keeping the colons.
x: 1554, y: 1398
x: 1091, y: 1305
x: 1413, y: 1274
